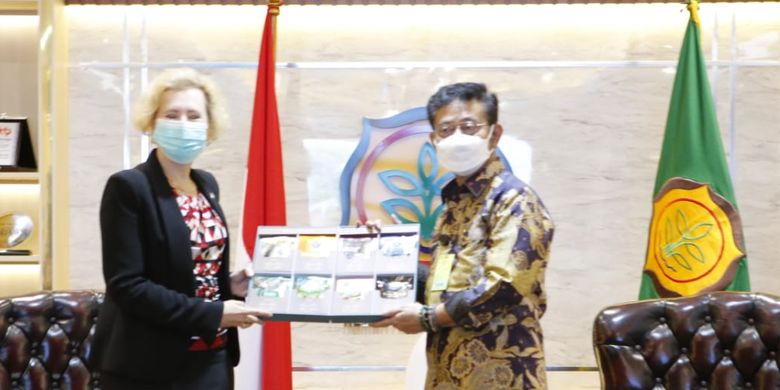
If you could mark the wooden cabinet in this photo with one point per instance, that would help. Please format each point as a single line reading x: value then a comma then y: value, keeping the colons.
x: 22, y: 192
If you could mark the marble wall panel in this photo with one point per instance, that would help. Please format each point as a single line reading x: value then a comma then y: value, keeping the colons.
x: 415, y: 33
x: 473, y: 33
x: 593, y: 131
x: 756, y: 175
x: 97, y: 34
x: 96, y: 149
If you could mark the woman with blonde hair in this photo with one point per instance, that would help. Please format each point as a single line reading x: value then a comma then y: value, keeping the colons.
x: 171, y: 307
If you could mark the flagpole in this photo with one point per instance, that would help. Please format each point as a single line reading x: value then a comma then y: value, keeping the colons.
x: 693, y: 6
x: 273, y: 8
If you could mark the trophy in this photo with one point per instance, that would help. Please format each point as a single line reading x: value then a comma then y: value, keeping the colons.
x: 14, y: 229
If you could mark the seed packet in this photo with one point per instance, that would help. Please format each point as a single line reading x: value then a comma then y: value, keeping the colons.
x: 316, y: 246
x: 356, y: 248
x: 311, y: 287
x: 354, y: 289
x: 356, y: 252
x: 277, y: 246
x: 270, y: 286
x: 353, y: 295
x: 394, y: 286
x: 397, y: 245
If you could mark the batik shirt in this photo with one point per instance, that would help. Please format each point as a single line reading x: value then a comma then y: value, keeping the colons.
x: 499, y: 233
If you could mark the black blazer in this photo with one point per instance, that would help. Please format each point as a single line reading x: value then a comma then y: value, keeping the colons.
x: 150, y: 311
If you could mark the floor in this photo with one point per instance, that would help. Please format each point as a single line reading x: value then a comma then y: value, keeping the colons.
x: 558, y: 380
x: 333, y: 346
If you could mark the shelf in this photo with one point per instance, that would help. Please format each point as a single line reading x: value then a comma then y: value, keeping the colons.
x: 31, y: 259
x: 18, y: 7
x: 19, y: 177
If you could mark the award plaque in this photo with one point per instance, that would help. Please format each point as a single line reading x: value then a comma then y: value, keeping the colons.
x: 16, y: 152
x: 340, y: 274
x: 14, y: 229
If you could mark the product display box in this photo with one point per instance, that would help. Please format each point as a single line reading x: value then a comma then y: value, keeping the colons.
x: 340, y: 274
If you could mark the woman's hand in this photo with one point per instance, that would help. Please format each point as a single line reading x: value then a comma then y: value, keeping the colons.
x: 236, y: 313
x: 407, y: 319
x: 239, y: 282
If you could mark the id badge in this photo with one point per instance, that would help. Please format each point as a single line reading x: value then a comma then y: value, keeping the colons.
x: 441, y: 273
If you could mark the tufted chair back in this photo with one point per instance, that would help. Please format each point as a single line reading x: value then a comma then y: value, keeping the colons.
x: 721, y: 340
x: 46, y: 340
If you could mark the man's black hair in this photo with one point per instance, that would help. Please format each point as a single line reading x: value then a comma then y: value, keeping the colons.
x: 464, y: 92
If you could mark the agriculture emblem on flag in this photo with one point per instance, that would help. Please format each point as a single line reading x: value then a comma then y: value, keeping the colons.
x: 695, y: 239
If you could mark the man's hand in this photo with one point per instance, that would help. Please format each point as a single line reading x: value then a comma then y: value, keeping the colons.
x: 407, y: 319
x: 236, y: 313
x: 375, y: 226
x: 239, y: 282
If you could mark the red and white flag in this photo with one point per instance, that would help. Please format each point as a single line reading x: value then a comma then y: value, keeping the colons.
x: 264, y: 204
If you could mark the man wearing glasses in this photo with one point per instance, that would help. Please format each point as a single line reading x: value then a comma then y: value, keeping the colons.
x: 485, y: 294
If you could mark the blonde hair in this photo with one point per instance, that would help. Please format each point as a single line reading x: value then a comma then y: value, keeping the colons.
x: 179, y: 80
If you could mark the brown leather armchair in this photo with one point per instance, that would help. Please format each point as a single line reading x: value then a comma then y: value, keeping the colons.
x: 46, y: 340
x: 721, y: 340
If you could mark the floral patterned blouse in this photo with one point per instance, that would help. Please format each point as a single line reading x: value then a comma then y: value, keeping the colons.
x: 499, y: 233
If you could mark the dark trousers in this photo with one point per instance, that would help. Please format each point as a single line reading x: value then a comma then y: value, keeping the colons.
x: 208, y: 370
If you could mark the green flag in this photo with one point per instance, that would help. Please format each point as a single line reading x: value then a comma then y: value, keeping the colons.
x: 695, y: 241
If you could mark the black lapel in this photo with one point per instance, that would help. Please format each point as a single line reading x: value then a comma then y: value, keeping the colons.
x: 176, y: 231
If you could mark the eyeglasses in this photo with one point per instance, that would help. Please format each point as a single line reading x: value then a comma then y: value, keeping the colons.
x: 445, y: 130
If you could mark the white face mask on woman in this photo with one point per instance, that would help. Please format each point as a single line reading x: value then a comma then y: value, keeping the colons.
x: 182, y: 141
x: 463, y: 154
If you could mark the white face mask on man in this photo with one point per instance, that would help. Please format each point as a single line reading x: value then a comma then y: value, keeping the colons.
x: 463, y: 154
